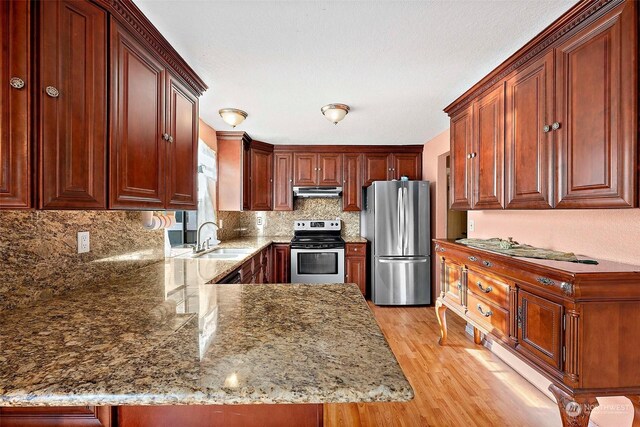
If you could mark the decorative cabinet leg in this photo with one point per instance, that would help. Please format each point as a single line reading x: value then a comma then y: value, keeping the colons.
x: 442, y: 321
x: 635, y: 400
x: 477, y: 336
x: 575, y: 412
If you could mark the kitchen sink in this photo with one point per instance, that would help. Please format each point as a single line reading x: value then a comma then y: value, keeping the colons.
x: 231, y: 251
x: 221, y: 254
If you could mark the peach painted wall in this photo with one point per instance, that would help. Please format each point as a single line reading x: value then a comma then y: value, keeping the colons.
x: 208, y: 135
x: 432, y: 150
x: 609, y: 234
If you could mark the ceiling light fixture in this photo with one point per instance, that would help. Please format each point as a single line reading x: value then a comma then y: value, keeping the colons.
x: 335, y: 112
x: 232, y: 116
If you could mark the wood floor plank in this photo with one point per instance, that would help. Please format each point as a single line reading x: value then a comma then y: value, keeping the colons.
x: 461, y: 384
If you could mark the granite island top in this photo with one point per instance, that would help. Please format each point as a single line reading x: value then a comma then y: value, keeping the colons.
x: 161, y: 335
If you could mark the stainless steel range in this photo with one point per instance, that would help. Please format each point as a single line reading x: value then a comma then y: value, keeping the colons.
x: 317, y: 252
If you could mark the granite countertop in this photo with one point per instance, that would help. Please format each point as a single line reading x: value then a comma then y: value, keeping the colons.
x: 161, y: 335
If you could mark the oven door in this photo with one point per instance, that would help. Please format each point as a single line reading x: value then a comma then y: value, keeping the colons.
x: 317, y: 265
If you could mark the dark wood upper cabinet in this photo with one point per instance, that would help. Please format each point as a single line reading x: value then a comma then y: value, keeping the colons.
x: 73, y: 105
x: 283, y: 182
x: 487, y: 153
x: 330, y: 169
x: 261, y: 179
x: 352, y: 182
x: 15, y: 99
x: 377, y: 167
x: 305, y: 167
x: 570, y: 118
x: 138, y: 149
x: 596, y: 109
x: 182, y: 149
x: 540, y: 328
x: 461, y: 164
x: 406, y: 164
x: 528, y: 165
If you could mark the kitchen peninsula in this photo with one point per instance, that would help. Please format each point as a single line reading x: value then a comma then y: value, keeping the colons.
x: 109, y: 351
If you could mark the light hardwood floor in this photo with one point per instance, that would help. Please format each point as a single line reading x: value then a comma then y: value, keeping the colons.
x: 461, y: 384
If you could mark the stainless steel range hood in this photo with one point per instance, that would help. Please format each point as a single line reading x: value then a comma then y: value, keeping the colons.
x: 317, y: 192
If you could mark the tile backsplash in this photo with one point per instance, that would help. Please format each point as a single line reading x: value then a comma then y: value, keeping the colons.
x: 38, y: 255
x: 280, y: 223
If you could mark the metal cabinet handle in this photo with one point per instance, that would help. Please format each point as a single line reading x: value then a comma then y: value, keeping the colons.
x: 52, y: 91
x: 16, y: 82
x: 472, y: 258
x: 546, y: 128
x: 170, y: 138
x: 546, y: 281
x: 459, y: 286
x: 483, y: 289
x: 485, y: 314
x: 487, y: 264
x: 468, y: 156
x: 165, y: 136
x: 555, y: 125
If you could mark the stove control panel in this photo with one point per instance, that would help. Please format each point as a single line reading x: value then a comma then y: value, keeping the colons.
x: 318, y: 225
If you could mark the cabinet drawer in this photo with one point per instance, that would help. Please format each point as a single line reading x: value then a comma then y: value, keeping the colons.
x: 488, y: 288
x: 357, y: 249
x: 490, y: 316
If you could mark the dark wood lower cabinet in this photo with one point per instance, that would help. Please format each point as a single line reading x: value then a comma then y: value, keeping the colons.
x: 356, y: 265
x: 308, y: 415
x: 576, y: 324
x: 281, y: 263
x: 299, y: 415
x: 67, y: 416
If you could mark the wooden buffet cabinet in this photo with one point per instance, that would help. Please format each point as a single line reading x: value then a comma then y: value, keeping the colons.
x: 576, y: 324
x: 108, y: 120
x: 556, y: 124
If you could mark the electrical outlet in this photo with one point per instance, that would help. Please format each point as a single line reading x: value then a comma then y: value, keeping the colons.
x: 83, y: 242
x: 472, y: 225
x: 259, y: 221
x: 220, y: 223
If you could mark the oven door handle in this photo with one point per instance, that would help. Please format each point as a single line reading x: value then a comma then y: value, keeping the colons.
x: 401, y: 261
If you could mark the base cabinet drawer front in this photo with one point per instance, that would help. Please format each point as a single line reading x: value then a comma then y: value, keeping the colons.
x: 67, y: 416
x: 540, y: 328
x: 492, y: 317
x: 488, y: 288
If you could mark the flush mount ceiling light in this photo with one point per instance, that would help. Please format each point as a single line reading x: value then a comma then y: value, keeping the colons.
x: 335, y: 112
x: 232, y: 116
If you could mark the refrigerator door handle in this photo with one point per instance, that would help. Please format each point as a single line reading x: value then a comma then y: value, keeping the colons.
x: 400, y: 225
x: 405, y: 208
x: 401, y: 260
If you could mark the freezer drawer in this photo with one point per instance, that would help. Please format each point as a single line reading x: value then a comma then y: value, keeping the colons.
x: 401, y: 281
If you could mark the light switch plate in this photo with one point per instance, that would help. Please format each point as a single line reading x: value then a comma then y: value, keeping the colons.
x: 472, y: 225
x: 83, y: 242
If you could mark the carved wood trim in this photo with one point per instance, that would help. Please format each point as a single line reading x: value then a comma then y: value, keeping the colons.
x: 128, y: 13
x: 513, y: 315
x: 571, y: 334
x: 566, y: 23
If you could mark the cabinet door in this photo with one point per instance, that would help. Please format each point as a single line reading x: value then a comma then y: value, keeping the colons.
x: 76, y: 416
x: 452, y: 283
x: 138, y: 152
x: 488, y: 150
x: 377, y: 167
x: 330, y: 169
x: 596, y: 105
x: 281, y: 263
x: 407, y: 164
x: 356, y: 270
x: 528, y: 166
x: 261, y: 180
x: 540, y: 328
x: 246, y: 176
x: 73, y: 102
x: 283, y: 182
x: 15, y: 145
x: 182, y: 147
x: 305, y: 167
x: 352, y: 182
x: 461, y: 138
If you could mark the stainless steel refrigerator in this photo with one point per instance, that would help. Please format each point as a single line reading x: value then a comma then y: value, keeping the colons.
x: 396, y: 222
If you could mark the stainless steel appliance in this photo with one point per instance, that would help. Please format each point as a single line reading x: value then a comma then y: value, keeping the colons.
x: 317, y: 252
x: 316, y: 192
x: 396, y: 222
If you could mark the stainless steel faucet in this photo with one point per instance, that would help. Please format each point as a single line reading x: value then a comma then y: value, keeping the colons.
x: 203, y: 246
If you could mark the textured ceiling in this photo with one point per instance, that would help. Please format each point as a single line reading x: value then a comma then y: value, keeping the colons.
x: 396, y: 63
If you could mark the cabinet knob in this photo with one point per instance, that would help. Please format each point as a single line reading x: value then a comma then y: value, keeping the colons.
x: 16, y: 82
x: 546, y: 128
x: 52, y: 91
x: 473, y: 155
x: 170, y: 138
x: 165, y: 136
x: 555, y: 125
